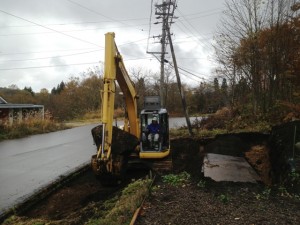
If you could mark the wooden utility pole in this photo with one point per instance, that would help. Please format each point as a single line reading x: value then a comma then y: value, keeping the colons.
x: 164, y: 12
x: 181, y: 91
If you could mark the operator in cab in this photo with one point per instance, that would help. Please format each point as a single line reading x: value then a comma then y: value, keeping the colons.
x: 153, y: 132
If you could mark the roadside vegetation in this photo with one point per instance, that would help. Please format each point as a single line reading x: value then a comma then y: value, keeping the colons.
x: 120, y: 209
x: 30, y: 126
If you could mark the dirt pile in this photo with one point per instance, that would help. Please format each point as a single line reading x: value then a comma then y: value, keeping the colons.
x: 259, y: 159
x: 122, y: 142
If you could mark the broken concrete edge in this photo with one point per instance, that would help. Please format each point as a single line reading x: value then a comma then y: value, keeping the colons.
x: 239, y: 170
x: 43, y: 192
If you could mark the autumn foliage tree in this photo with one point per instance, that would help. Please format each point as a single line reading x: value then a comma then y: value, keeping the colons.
x: 258, y: 49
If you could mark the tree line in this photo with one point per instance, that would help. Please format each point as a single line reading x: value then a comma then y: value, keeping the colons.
x: 258, y: 51
x: 81, y: 94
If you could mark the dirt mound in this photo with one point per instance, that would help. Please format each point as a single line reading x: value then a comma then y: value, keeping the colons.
x: 259, y: 159
x: 122, y: 141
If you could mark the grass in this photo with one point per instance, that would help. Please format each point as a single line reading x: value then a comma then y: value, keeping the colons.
x: 120, y: 210
x: 176, y: 179
x: 198, y: 133
x: 29, y: 127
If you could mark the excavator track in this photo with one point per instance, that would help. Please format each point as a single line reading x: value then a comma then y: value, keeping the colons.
x: 159, y: 166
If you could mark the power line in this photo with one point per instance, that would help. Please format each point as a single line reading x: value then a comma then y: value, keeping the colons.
x: 206, y: 11
x: 93, y: 11
x: 72, y: 23
x: 38, y: 67
x: 150, y: 23
x: 59, y: 50
x: 18, y: 60
x: 193, y: 74
x: 67, y: 31
x: 210, y: 14
x: 126, y: 43
x: 192, y: 32
x: 64, y: 65
x: 49, y: 28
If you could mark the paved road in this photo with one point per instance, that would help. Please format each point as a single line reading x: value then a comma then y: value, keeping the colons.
x: 28, y: 164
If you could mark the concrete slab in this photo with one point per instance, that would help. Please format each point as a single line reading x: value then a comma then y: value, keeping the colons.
x: 228, y: 168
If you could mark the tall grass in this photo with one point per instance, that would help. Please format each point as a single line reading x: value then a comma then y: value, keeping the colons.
x: 31, y: 124
x: 120, y: 210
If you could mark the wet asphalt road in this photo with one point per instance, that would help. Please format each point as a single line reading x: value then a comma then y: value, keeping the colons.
x: 31, y: 163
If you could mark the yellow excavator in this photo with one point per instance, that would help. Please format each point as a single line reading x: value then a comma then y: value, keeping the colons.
x: 118, y: 148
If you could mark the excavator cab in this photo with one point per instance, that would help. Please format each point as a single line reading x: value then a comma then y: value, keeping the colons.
x: 154, y: 146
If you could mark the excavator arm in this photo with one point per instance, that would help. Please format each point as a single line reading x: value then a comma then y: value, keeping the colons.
x: 114, y: 70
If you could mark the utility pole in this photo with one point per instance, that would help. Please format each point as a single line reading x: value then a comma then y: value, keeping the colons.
x: 165, y: 12
x: 181, y: 91
x: 162, y: 57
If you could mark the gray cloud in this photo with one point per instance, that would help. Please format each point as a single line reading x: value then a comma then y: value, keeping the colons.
x: 92, y: 19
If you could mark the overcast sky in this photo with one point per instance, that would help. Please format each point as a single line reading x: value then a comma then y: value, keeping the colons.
x: 45, y: 42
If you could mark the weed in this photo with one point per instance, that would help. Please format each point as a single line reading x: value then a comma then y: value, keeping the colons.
x: 264, y: 195
x: 178, y: 179
x: 224, y: 198
x: 294, y: 177
x: 201, y: 184
x: 283, y: 192
x: 10, y: 220
x: 155, y: 188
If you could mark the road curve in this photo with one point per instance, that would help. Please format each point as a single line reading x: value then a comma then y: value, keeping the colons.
x: 30, y: 163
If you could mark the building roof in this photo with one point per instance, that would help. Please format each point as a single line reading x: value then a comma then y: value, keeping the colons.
x: 5, y: 105
x: 19, y: 106
x: 2, y: 101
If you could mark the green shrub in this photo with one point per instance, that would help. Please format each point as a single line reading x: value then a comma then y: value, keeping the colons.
x: 176, y: 179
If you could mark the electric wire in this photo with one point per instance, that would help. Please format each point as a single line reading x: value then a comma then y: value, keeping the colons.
x: 66, y: 31
x: 150, y: 22
x: 45, y: 51
x: 72, y: 23
x: 96, y: 12
x: 70, y: 36
x: 60, y: 56
x: 192, y: 32
x: 65, y: 65
x: 49, y: 66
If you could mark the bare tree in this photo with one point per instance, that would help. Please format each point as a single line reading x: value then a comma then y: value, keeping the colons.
x: 252, y: 44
